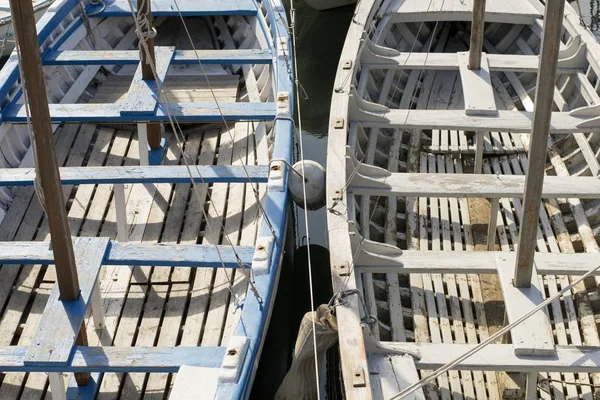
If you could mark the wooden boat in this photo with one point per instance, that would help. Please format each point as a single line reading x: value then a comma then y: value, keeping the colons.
x: 7, y: 40
x: 408, y: 218
x: 178, y: 248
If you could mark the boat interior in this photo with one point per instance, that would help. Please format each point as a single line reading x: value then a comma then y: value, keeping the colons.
x: 144, y: 305
x: 467, y: 308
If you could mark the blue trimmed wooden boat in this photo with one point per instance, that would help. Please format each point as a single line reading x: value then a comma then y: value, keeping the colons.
x: 178, y: 247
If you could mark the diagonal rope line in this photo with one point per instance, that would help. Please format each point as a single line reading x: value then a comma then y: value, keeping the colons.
x: 306, y: 225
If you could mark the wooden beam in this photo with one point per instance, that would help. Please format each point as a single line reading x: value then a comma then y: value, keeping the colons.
x: 142, y: 174
x: 54, y: 205
x: 181, y: 57
x: 540, y: 131
x: 449, y: 61
x: 504, y: 121
x: 467, y: 185
x: 481, y: 262
x: 147, y: 63
x: 477, y: 30
x: 501, y: 357
x: 119, y: 253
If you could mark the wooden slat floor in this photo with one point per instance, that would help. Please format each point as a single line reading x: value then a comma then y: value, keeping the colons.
x: 144, y: 305
x: 452, y: 308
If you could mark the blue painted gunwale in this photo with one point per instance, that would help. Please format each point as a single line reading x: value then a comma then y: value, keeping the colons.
x: 255, y: 316
x: 142, y: 174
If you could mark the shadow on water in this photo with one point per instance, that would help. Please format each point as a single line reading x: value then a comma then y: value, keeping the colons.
x: 320, y: 37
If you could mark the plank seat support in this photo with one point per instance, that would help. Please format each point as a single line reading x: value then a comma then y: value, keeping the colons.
x: 142, y: 174
x: 53, y: 342
x: 375, y: 115
x: 473, y: 186
x: 448, y: 61
x: 181, y: 57
x: 184, y: 112
x: 168, y: 8
x: 144, y: 95
x: 534, y: 336
x: 501, y: 357
x: 477, y: 86
x: 484, y: 262
x: 118, y: 359
x: 507, y: 11
x: 126, y: 254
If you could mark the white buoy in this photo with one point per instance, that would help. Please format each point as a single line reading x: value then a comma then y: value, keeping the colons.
x: 315, y: 185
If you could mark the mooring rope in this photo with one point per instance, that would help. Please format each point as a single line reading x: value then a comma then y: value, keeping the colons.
x: 306, y: 223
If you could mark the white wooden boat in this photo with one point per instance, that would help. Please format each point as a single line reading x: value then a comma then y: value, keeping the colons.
x: 409, y: 123
x: 7, y: 39
x: 180, y: 278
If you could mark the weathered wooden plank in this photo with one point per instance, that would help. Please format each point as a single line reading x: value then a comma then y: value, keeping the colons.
x: 506, y: 121
x: 184, y: 112
x: 181, y: 255
x: 141, y: 174
x: 534, y: 336
x: 477, y: 86
x: 416, y: 262
x: 501, y: 357
x: 430, y: 185
x: 170, y: 8
x: 119, y: 359
x: 448, y: 61
x: 181, y: 57
x: 144, y: 93
x: 511, y: 12
x: 59, y: 327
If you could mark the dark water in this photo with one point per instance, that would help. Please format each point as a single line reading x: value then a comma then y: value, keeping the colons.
x: 320, y: 37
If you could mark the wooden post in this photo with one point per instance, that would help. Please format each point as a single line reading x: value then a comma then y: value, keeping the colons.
x: 542, y: 113
x: 60, y: 233
x: 478, y: 168
x: 477, y: 26
x: 493, y: 224
x: 152, y: 130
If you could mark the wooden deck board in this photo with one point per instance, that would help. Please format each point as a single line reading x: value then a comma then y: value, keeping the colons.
x: 130, y: 299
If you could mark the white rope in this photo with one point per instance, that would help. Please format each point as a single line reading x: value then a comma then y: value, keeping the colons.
x: 306, y: 225
x: 180, y: 142
x: 420, y: 384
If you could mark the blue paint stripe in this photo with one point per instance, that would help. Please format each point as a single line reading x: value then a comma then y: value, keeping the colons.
x: 119, y: 359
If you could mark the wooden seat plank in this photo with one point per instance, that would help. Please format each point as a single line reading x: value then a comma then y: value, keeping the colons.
x: 188, y: 255
x: 118, y: 359
x: 477, y: 87
x: 168, y: 8
x: 140, y: 174
x: 144, y: 95
x: 507, y: 11
x: 466, y: 185
x: 181, y: 57
x: 184, y: 112
x: 59, y: 326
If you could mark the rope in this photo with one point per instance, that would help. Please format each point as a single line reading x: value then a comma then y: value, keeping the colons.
x: 420, y: 384
x: 180, y: 142
x: 306, y: 225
